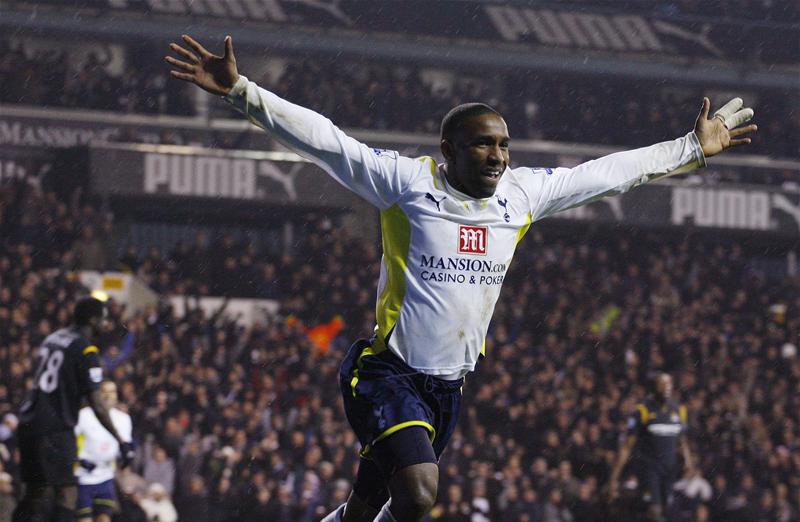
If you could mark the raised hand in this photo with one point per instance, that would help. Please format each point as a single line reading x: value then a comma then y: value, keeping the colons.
x: 721, y: 132
x: 215, y: 74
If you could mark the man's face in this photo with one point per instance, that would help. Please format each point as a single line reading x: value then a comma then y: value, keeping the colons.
x: 99, y: 323
x: 478, y: 155
x: 108, y: 394
x: 664, y: 386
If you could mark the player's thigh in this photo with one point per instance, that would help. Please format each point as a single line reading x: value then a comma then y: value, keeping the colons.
x: 653, y: 484
x: 67, y: 496
x: 96, y: 500
x: 38, y: 493
x: 405, y: 448
x: 404, y: 464
x: 408, y: 459
x: 83, y: 509
x: 48, y: 459
x: 36, y: 503
x: 62, y: 453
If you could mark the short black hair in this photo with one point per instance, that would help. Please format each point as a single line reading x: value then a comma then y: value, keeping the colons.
x: 453, y: 120
x: 86, y: 309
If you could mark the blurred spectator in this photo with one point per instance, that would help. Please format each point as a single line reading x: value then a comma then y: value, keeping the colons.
x: 159, y: 469
x: 8, y: 501
x: 90, y: 251
x: 51, y: 77
x: 396, y: 96
x: 554, y: 510
x: 251, y: 417
x: 691, y: 492
x: 157, y: 505
x: 194, y: 504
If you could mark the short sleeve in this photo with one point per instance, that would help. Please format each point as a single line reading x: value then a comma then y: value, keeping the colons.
x: 683, y: 414
x: 637, y: 419
x: 91, y: 371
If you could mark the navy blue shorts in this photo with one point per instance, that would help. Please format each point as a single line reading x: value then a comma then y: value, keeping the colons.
x: 96, y: 499
x: 383, y: 395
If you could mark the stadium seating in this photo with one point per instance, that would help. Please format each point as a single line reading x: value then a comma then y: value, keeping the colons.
x: 246, y: 424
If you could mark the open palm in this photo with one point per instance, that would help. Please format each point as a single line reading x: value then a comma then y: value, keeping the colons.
x: 215, y: 74
x: 722, y: 131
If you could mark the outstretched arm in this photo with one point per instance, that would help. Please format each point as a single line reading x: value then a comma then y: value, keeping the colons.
x: 564, y: 188
x: 377, y: 176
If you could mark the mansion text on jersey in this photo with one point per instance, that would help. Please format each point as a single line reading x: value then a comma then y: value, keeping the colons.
x: 460, y: 264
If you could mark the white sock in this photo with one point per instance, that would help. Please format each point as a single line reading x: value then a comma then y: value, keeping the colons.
x: 335, y: 515
x: 385, y: 515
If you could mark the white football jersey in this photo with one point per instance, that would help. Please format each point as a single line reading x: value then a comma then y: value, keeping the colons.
x: 98, y: 446
x: 445, y: 254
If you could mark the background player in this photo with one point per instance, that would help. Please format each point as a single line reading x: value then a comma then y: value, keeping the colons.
x: 98, y: 451
x: 402, y: 389
x: 656, y: 431
x: 68, y: 370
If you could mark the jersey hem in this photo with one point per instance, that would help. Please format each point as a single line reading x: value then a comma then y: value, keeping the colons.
x: 439, y: 372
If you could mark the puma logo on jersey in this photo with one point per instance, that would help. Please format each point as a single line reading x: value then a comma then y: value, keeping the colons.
x: 429, y: 196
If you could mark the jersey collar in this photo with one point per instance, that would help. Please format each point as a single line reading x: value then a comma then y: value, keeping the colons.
x: 457, y: 193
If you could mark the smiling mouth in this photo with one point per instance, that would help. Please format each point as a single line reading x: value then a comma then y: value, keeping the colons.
x: 492, y: 173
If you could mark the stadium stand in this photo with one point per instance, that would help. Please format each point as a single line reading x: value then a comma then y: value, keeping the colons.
x: 242, y: 422
x: 245, y: 423
x: 46, y: 75
x: 399, y: 97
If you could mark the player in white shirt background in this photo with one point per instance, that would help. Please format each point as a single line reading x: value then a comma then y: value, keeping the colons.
x: 98, y: 453
x: 449, y: 232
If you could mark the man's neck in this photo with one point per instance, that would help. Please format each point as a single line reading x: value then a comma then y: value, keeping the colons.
x: 85, y: 331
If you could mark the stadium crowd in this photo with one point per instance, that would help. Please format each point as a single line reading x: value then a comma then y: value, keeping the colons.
x: 47, y: 75
x: 396, y: 96
x: 628, y: 113
x: 239, y: 423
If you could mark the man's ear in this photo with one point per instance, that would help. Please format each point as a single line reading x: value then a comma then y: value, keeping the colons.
x: 447, y: 150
